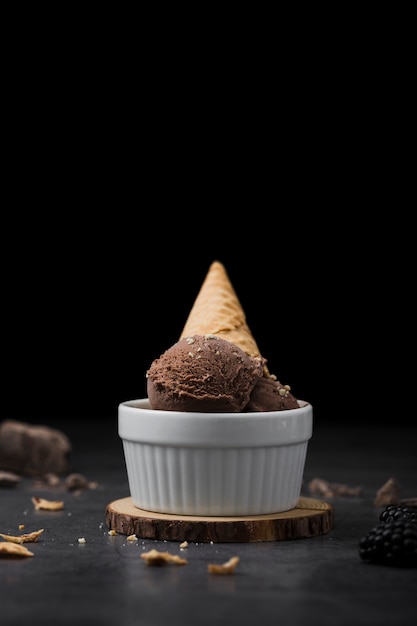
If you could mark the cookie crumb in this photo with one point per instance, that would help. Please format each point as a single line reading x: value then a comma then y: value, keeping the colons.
x: 155, y: 557
x: 324, y: 488
x: 48, y: 505
x: 225, y: 568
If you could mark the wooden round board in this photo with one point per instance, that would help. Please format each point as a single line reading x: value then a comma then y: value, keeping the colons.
x: 309, y: 518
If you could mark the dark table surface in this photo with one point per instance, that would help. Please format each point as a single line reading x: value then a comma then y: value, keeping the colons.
x: 318, y: 580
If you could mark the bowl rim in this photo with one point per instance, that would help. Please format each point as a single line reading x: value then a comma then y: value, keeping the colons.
x: 138, y: 422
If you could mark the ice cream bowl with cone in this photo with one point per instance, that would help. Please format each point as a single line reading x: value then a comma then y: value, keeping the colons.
x: 214, y: 464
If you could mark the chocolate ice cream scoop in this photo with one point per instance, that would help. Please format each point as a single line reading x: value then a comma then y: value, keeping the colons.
x: 203, y: 373
x: 270, y: 395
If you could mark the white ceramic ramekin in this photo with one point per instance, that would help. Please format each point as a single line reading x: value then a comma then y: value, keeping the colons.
x: 214, y: 464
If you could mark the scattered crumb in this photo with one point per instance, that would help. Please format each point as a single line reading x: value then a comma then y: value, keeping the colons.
x: 7, y: 548
x: 52, y: 479
x: 21, y: 526
x: 73, y: 482
x: 28, y: 537
x: 112, y: 533
x: 155, y: 557
x: 132, y: 538
x: 318, y: 486
x: 47, y: 505
x: 76, y: 481
x: 225, y: 568
x: 183, y: 545
x: 389, y: 493
x: 81, y: 540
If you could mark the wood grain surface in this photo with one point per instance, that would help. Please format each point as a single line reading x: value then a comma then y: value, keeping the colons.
x: 309, y: 518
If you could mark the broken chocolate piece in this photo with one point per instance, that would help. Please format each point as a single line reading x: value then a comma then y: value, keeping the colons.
x: 33, y: 450
x: 389, y: 493
x: 318, y: 486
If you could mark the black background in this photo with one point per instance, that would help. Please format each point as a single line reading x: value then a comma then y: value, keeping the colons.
x: 123, y: 181
x: 134, y: 153
x: 90, y: 300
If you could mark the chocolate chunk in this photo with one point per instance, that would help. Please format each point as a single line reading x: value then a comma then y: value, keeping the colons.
x: 33, y: 449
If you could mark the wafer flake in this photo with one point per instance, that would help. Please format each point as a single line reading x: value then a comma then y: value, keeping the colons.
x: 48, y: 505
x: 155, y: 557
x: 8, y: 548
x: 27, y: 537
x: 225, y: 568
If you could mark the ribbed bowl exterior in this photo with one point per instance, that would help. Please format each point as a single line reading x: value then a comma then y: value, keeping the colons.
x: 214, y: 464
x: 215, y: 481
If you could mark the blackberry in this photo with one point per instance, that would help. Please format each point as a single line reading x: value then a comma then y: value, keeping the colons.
x: 391, y: 543
x: 398, y: 511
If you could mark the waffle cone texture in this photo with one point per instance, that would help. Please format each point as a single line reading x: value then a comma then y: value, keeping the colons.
x: 217, y: 311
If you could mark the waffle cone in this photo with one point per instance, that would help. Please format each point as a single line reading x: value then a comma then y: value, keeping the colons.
x: 217, y: 311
